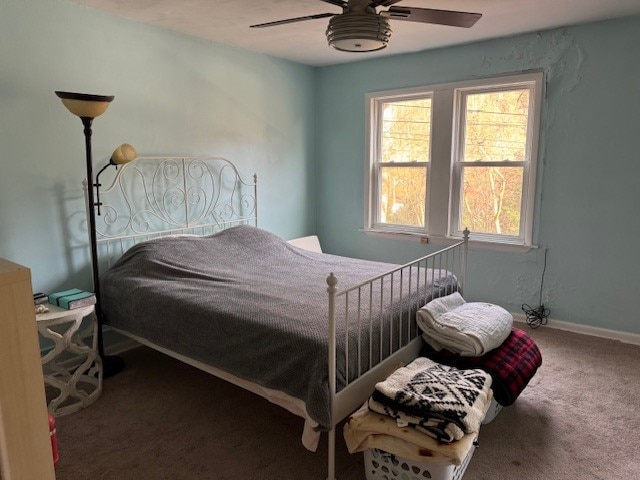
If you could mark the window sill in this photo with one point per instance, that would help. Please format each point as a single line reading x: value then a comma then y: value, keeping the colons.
x: 444, y: 240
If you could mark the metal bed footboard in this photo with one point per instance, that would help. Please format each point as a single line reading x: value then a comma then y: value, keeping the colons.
x: 411, y: 281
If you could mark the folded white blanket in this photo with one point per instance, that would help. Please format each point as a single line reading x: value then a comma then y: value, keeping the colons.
x: 469, y: 329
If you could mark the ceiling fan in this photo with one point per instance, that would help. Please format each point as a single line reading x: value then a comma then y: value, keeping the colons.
x: 361, y: 28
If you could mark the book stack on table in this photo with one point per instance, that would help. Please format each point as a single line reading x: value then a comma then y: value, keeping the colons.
x: 74, y: 298
x: 40, y: 298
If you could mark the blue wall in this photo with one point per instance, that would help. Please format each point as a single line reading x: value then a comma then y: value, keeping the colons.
x: 174, y: 95
x: 587, y: 195
x: 302, y: 130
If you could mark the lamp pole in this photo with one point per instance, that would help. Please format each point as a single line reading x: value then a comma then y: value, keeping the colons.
x: 93, y: 241
x: 88, y: 107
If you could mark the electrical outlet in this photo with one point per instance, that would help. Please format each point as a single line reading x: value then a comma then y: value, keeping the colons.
x: 424, y: 240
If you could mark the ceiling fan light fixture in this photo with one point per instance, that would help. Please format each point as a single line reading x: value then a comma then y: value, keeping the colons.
x: 358, y: 32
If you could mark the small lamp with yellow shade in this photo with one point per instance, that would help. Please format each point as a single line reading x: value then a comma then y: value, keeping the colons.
x: 121, y: 155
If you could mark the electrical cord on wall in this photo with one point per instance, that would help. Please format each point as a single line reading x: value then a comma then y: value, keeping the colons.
x: 540, y: 315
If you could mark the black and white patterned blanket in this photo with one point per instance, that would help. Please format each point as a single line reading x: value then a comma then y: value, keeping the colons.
x: 442, y: 402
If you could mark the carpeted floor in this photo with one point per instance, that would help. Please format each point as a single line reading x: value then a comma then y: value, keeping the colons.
x: 163, y: 420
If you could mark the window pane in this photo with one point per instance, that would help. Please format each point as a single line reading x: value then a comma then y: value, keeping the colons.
x: 496, y: 126
x: 491, y: 199
x: 406, y: 131
x: 402, y: 195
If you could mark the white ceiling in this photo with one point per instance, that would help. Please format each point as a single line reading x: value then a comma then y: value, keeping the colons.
x: 227, y: 21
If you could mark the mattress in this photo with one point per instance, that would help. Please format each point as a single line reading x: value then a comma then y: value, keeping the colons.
x: 245, y: 301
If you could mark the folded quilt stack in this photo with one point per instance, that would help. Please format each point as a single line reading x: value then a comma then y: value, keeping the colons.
x: 479, y: 335
x: 368, y: 430
x: 511, y: 366
x: 440, y: 401
x: 431, y: 410
x: 469, y: 329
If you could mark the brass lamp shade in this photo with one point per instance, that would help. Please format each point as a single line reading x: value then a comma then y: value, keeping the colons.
x: 84, y: 105
x: 123, y: 154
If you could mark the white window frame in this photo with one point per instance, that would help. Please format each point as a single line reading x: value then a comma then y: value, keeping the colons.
x: 444, y: 169
x: 377, y: 165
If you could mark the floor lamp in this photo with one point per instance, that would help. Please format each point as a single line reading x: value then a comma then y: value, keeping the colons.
x: 88, y: 107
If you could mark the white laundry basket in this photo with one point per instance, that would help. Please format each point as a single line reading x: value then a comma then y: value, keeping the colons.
x: 492, y: 411
x: 381, y: 465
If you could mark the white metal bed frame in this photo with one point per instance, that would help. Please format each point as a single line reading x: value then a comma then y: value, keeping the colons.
x: 161, y: 196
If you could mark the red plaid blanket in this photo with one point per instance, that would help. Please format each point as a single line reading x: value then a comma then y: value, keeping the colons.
x: 511, y: 365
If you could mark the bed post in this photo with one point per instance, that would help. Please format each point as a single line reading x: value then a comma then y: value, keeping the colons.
x: 255, y: 196
x: 331, y: 454
x: 185, y: 190
x: 465, y: 251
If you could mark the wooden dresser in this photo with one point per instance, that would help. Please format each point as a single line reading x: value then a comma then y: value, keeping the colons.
x: 25, y: 445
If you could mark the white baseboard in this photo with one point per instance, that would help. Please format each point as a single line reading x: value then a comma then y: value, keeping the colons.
x: 625, y: 337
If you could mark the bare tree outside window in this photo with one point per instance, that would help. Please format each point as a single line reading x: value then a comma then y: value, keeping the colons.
x: 406, y: 140
x: 495, y: 131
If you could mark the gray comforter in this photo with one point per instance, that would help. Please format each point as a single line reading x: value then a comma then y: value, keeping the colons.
x: 247, y: 302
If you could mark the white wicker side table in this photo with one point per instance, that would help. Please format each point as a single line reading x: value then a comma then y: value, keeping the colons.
x: 73, y: 367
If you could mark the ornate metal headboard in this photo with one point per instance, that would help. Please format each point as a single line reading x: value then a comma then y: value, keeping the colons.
x: 157, y: 196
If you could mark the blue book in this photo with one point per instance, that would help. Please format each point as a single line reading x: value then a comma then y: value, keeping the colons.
x: 73, y: 298
x: 53, y: 298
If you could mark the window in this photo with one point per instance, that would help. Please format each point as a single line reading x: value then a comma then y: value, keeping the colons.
x: 402, y: 169
x: 455, y: 156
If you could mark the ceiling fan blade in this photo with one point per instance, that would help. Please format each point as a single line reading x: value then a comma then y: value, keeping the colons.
x: 338, y: 3
x: 429, y: 15
x: 383, y: 3
x: 293, y: 20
